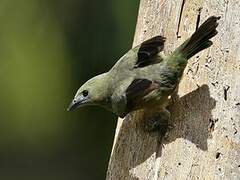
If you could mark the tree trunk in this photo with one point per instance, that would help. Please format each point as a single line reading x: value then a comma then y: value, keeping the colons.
x: 205, y: 140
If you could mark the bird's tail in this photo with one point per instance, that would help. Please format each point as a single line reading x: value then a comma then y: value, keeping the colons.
x: 200, y: 39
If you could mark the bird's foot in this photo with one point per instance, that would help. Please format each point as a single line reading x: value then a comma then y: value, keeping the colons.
x: 157, y: 121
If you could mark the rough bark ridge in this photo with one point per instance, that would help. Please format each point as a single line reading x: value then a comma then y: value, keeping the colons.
x: 205, y: 140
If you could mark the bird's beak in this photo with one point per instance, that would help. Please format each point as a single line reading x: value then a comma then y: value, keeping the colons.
x: 77, y: 102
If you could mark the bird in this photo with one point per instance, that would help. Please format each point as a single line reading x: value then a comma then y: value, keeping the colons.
x: 144, y: 78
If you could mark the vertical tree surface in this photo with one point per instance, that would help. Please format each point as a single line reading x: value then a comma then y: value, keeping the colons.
x: 205, y: 140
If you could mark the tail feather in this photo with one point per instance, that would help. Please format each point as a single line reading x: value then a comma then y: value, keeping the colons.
x: 200, y: 40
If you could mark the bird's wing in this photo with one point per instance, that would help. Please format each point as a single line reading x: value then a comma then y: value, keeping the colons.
x: 148, y: 49
x: 137, y: 90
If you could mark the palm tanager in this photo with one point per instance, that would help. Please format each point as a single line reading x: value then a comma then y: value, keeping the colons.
x: 144, y: 78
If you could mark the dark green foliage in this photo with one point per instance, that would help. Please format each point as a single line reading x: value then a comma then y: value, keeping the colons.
x: 47, y: 48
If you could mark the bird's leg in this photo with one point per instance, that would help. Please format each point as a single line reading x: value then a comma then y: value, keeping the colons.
x: 157, y: 120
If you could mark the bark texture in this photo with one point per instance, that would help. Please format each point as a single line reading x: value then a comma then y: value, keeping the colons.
x: 205, y: 140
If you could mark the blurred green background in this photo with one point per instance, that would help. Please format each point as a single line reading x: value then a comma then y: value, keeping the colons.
x: 48, y: 48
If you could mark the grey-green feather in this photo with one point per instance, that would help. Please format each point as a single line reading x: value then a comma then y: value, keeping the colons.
x: 142, y: 78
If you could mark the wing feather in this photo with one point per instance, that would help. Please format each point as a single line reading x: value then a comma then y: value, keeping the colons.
x: 148, y: 49
x: 137, y: 90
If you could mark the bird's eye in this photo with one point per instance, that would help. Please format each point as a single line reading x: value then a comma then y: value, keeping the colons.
x: 85, y: 93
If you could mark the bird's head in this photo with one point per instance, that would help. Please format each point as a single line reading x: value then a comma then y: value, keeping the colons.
x: 93, y: 92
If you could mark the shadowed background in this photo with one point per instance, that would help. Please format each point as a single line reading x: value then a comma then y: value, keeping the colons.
x: 47, y: 50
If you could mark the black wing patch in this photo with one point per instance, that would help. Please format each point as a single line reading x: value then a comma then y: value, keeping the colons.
x: 137, y: 90
x: 148, y: 49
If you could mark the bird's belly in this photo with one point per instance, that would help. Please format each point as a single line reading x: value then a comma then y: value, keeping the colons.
x: 154, y: 100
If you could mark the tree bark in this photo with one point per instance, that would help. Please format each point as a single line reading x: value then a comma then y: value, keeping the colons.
x: 205, y: 140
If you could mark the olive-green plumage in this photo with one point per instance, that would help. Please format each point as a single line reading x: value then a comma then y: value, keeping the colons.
x: 143, y: 78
